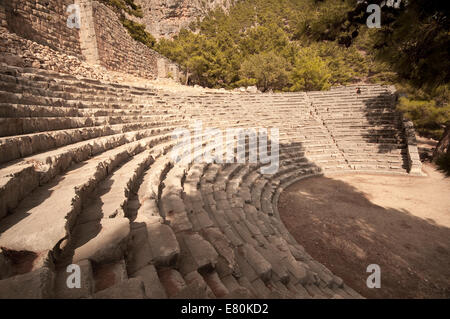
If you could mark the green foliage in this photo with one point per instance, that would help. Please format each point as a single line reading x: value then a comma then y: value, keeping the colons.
x: 324, y: 21
x: 264, y: 39
x: 137, y: 32
x: 347, y: 65
x: 221, y: 50
x: 267, y: 70
x: 125, y: 5
x: 297, y: 45
x: 310, y: 72
x: 416, y: 43
x: 428, y: 118
x: 443, y: 163
x: 201, y: 57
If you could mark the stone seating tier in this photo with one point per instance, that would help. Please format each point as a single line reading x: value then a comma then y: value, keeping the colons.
x: 86, y: 177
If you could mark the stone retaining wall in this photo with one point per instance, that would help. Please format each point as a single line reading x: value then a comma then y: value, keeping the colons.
x: 100, y: 40
x: 117, y: 51
x: 3, y: 22
x: 88, y: 39
x: 415, y: 165
x: 42, y: 21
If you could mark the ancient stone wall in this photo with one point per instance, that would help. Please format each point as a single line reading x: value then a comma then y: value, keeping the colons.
x: 42, y: 21
x: 2, y: 16
x: 101, y: 38
x: 88, y: 39
x: 117, y: 51
x: 415, y: 165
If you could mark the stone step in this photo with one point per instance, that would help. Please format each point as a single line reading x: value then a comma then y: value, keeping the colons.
x: 172, y: 281
x: 197, y: 254
x: 61, y: 201
x: 37, y: 111
x: 149, y: 192
x: 152, y: 285
x: 108, y: 203
x: 110, y: 198
x: 37, y: 284
x: 106, y: 180
x: 21, y: 126
x: 133, y: 288
x: 21, y: 178
x: 22, y: 146
x: 163, y: 244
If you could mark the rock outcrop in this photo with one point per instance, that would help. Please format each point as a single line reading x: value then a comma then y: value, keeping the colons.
x: 166, y: 18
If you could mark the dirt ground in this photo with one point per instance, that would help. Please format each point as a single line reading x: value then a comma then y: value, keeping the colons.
x: 401, y: 223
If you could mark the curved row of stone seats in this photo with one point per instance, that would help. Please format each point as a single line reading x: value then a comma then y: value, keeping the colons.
x: 50, y: 87
x: 365, y: 126
x: 206, y: 262
x: 241, y: 231
x: 45, y: 108
x: 63, y: 197
x: 195, y: 270
x: 111, y: 199
x: 247, y: 235
x: 23, y: 176
x: 54, y: 139
x: 98, y: 233
x: 191, y: 258
x: 255, y: 199
x: 195, y: 276
x: 295, y: 122
x: 33, y: 110
x: 70, y: 182
x: 118, y: 248
x: 21, y: 146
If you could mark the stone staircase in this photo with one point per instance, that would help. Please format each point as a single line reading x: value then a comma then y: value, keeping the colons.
x: 86, y: 178
x: 365, y: 127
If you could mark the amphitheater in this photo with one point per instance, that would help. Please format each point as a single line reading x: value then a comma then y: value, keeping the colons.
x: 87, y: 177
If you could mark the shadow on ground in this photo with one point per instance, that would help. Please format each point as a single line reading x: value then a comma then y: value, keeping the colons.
x: 341, y: 228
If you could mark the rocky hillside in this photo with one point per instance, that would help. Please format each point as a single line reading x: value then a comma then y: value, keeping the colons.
x: 164, y: 18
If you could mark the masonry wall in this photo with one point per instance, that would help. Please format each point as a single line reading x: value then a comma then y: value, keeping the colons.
x: 42, y: 21
x: 117, y: 51
x: 88, y: 39
x: 2, y: 15
x: 415, y: 165
x: 102, y: 39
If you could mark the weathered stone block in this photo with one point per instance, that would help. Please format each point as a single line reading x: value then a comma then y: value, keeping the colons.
x: 86, y: 283
x: 130, y: 289
x: 152, y: 284
x: 37, y: 284
x: 163, y: 243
